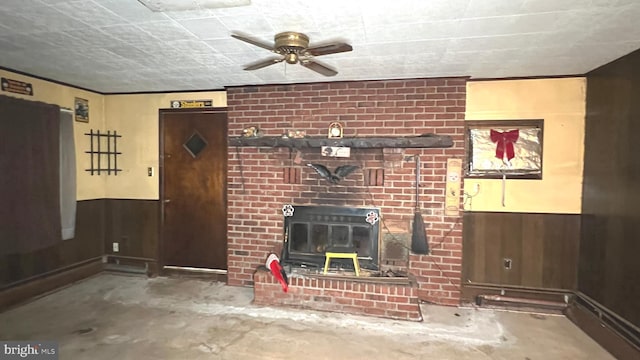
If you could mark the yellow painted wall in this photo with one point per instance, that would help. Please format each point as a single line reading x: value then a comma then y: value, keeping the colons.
x: 561, y: 103
x: 136, y: 118
x: 89, y: 187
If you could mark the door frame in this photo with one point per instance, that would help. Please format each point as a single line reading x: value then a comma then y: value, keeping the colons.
x: 161, y: 258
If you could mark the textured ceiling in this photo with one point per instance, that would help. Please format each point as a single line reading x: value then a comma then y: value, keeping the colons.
x: 123, y: 46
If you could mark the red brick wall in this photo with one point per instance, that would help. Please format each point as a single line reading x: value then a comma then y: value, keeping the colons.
x: 388, y: 300
x: 257, y: 192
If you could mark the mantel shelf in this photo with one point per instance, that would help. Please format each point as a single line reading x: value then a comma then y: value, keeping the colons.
x: 421, y: 141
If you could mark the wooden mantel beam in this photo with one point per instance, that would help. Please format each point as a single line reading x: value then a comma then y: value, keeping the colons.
x: 421, y: 141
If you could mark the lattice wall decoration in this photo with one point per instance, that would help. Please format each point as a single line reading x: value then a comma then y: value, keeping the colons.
x: 504, y: 149
x: 103, y: 152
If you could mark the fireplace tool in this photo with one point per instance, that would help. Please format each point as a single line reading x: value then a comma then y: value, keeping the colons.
x: 419, y: 243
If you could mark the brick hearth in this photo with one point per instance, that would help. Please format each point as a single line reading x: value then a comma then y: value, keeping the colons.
x: 389, y: 298
x: 259, y: 185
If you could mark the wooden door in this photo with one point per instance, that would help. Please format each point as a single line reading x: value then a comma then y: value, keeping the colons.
x: 193, y: 153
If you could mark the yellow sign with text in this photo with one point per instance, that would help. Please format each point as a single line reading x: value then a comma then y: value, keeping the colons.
x: 178, y: 104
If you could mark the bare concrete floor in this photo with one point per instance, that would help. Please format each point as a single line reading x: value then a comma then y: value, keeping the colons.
x: 127, y: 317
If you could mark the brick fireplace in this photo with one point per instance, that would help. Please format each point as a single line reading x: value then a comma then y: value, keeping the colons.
x: 261, y: 180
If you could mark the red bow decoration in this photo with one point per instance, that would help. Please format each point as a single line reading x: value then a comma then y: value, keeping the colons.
x: 504, y: 142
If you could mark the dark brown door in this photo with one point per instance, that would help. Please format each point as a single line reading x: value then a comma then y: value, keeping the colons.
x: 193, y: 153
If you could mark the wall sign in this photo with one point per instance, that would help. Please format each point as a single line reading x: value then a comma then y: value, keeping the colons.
x: 16, y: 86
x: 178, y: 104
x: 335, y: 151
x: 81, y: 110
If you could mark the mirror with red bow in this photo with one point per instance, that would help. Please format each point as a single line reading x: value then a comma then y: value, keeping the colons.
x: 504, y: 148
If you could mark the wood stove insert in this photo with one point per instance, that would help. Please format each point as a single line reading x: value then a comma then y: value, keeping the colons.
x: 310, y: 231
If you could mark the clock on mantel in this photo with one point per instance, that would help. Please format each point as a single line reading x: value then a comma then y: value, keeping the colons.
x: 335, y: 130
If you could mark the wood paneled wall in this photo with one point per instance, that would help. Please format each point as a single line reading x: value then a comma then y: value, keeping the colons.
x: 609, y: 266
x: 131, y: 223
x: 87, y: 244
x: 543, y: 249
x: 134, y: 225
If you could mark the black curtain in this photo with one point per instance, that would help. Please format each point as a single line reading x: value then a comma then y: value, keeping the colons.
x: 29, y: 176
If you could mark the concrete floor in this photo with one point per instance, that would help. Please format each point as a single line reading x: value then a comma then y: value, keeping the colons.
x: 113, y: 316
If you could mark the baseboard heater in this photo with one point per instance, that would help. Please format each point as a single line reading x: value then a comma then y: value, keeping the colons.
x: 510, y: 301
x: 608, y: 318
x: 127, y: 264
x: 129, y: 269
x: 54, y: 272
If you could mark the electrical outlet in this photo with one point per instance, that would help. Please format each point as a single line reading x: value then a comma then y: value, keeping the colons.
x: 150, y: 171
x: 507, y: 263
x: 116, y: 247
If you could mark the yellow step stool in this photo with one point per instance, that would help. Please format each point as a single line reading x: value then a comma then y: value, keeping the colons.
x: 335, y: 255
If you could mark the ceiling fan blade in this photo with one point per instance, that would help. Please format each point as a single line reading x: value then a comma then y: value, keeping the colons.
x: 264, y: 63
x: 253, y: 41
x: 329, y: 49
x: 319, y: 68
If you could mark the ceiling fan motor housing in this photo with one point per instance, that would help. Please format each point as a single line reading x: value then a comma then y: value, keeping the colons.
x: 291, y: 44
x: 291, y: 39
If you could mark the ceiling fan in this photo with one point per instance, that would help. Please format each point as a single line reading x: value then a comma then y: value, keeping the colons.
x: 293, y: 47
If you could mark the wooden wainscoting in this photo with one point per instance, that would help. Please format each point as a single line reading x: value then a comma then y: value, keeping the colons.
x: 99, y: 223
x: 542, y: 249
x: 134, y: 225
x: 23, y: 276
x: 87, y: 244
